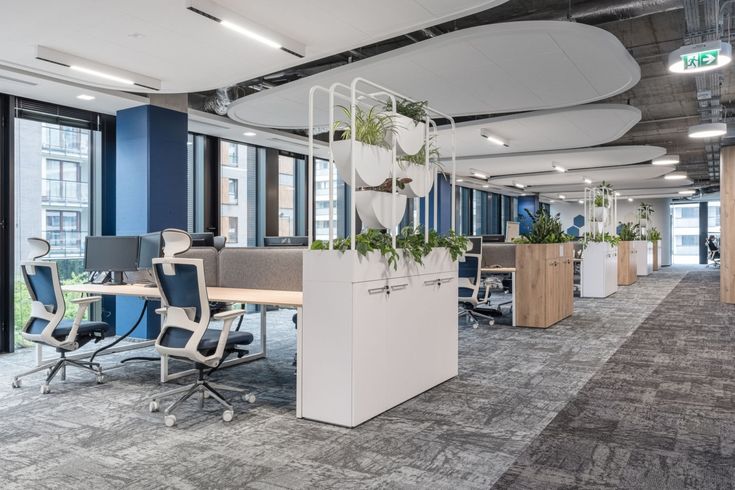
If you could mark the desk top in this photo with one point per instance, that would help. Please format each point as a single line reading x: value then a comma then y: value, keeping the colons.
x: 231, y: 295
x: 498, y: 270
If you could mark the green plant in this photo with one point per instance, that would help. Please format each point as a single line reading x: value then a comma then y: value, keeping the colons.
x: 605, y: 186
x: 544, y: 229
x: 420, y: 157
x: 599, y: 238
x: 456, y: 244
x: 371, y: 126
x: 601, y: 201
x: 413, y: 110
x: 654, y: 235
x: 645, y: 210
x: 387, y: 185
x: 629, y: 232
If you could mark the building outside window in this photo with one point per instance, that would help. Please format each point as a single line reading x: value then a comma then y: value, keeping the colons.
x: 713, y: 219
x: 286, y: 196
x: 685, y: 233
x: 230, y: 229
x: 237, y: 174
x: 322, y: 202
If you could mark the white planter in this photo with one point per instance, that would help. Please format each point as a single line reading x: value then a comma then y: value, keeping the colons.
x: 376, y: 209
x: 422, y: 179
x: 410, y: 136
x: 373, y: 164
x: 600, y: 214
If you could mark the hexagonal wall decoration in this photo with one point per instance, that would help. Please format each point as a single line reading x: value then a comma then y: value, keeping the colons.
x: 579, y: 221
x: 573, y: 231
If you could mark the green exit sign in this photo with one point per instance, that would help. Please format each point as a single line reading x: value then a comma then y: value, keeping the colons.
x: 702, y: 59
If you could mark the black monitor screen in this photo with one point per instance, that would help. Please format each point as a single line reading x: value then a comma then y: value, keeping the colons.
x: 150, y: 248
x: 202, y: 239
x: 111, y: 253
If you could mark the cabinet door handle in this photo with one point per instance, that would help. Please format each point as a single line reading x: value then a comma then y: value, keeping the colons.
x: 378, y: 290
x: 445, y: 279
x: 431, y: 283
x: 398, y: 287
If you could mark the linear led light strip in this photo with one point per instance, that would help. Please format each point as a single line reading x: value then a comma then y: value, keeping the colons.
x: 234, y: 22
x: 99, y: 70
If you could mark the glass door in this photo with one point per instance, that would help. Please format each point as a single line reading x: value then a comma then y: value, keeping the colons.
x: 685, y: 243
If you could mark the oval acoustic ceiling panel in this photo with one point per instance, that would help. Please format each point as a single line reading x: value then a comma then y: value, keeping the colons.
x: 490, y: 69
x: 554, y: 129
x: 185, y: 45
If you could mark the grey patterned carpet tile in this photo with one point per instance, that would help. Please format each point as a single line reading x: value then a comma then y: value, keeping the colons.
x: 465, y: 433
x: 659, y: 414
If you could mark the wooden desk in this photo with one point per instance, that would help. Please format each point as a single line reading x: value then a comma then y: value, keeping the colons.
x: 264, y: 297
x: 512, y: 272
x: 498, y: 270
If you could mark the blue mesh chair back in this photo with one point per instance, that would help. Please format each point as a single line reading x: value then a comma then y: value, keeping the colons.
x: 181, y: 289
x: 40, y: 285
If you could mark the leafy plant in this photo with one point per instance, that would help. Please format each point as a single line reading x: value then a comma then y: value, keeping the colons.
x: 605, y: 186
x: 387, y: 185
x: 599, y: 238
x: 645, y: 210
x: 456, y: 244
x: 654, y: 235
x: 420, y: 157
x: 629, y: 232
x: 371, y: 126
x: 602, y: 201
x: 544, y: 229
x: 413, y: 110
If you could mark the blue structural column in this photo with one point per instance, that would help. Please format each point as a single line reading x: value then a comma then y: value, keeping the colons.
x: 150, y: 188
x: 444, y: 208
x: 530, y: 203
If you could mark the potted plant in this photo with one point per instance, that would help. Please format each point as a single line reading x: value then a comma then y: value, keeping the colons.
x: 373, y: 156
x: 645, y: 211
x: 544, y: 229
x: 410, y: 127
x: 601, y: 203
x: 629, y: 232
x: 599, y: 267
x: 374, y: 204
x: 421, y: 175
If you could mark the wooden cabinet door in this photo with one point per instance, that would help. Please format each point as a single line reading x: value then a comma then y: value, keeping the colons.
x: 552, y: 310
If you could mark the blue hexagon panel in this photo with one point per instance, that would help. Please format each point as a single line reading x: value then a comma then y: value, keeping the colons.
x: 573, y: 231
x: 579, y: 221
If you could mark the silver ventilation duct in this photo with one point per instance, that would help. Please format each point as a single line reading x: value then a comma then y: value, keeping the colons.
x: 218, y: 103
x: 600, y: 12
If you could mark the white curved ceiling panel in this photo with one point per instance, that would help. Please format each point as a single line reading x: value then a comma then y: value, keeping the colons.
x: 587, y: 158
x: 575, y: 179
x: 555, y: 129
x: 518, y: 66
x: 187, y: 52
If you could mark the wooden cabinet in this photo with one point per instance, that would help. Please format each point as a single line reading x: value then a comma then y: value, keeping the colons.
x: 627, y: 263
x: 657, y: 255
x: 544, y: 284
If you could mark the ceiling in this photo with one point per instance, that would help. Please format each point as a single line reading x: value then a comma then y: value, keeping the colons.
x: 497, y: 68
x: 555, y: 129
x: 575, y: 178
x: 187, y: 52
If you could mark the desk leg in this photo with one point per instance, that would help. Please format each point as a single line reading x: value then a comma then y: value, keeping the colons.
x: 299, y: 359
x: 513, y: 284
x: 263, y: 325
x: 164, y: 368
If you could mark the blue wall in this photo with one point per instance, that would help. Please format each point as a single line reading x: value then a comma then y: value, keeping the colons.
x: 530, y: 203
x: 150, y: 188
x: 444, y: 211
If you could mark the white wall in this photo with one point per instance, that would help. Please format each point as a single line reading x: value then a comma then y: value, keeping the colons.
x: 626, y: 212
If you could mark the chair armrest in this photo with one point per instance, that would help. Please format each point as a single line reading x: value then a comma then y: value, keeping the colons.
x: 228, y: 315
x: 86, y: 300
x: 161, y: 311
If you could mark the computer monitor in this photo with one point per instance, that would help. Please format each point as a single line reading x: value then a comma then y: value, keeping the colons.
x: 286, y: 241
x: 150, y: 247
x: 116, y: 254
x: 202, y: 239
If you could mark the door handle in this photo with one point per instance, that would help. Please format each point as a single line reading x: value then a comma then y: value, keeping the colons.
x: 431, y: 283
x: 442, y: 280
x: 398, y: 287
x: 379, y: 290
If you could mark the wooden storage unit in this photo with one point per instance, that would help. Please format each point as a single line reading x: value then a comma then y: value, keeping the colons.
x: 627, y: 263
x: 657, y: 255
x: 544, y: 284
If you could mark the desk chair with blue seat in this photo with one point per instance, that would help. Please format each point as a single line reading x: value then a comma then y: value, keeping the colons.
x: 185, y: 330
x: 470, y: 269
x: 47, y: 326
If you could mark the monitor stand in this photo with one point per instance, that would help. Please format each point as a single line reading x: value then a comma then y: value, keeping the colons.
x: 117, y: 278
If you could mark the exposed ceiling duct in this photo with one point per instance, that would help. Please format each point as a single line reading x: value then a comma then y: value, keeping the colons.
x: 599, y: 12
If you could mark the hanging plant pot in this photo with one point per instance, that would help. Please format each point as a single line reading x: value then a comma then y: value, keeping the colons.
x: 422, y: 179
x: 372, y: 163
x: 601, y: 213
x: 410, y: 136
x: 375, y: 209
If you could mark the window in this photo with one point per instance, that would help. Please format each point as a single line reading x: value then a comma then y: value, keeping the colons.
x: 286, y: 196
x: 237, y: 192
x: 685, y: 244
x: 62, y: 182
x: 229, y: 228
x: 479, y: 200
x: 231, y: 191
x: 689, y: 212
x: 322, y: 202
x: 687, y: 240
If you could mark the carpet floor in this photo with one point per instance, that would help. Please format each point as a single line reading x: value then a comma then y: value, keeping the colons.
x: 470, y: 432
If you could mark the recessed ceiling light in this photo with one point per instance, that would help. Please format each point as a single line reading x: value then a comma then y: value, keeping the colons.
x: 687, y: 193
x: 617, y: 194
x: 666, y: 160
x: 707, y: 130
x: 101, y: 74
x: 630, y: 199
x: 85, y: 97
x: 580, y: 201
x: 587, y: 180
x: 558, y: 168
x: 562, y: 196
x: 519, y: 185
x: 552, y: 201
x: 696, y: 58
x: 459, y: 180
x: 675, y: 176
x: 485, y: 186
x: 479, y: 175
x: 249, y: 134
x: 496, y: 140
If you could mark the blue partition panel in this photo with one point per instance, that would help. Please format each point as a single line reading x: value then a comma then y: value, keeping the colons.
x: 530, y: 203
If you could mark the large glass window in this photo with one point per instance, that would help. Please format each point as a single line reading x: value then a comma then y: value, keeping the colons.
x: 53, y: 166
x: 322, y: 202
x: 237, y: 193
x: 479, y: 200
x: 713, y: 219
x: 685, y: 232
x: 286, y: 196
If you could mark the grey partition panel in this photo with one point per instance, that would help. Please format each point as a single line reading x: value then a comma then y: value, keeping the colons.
x: 502, y: 254
x: 261, y: 268
x: 209, y: 257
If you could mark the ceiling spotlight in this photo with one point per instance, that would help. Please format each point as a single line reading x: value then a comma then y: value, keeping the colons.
x: 617, y: 194
x: 697, y: 58
x: 708, y: 130
x: 675, y: 176
x: 459, y: 180
x: 630, y: 199
x: 249, y: 134
x: 580, y: 201
x: 485, y: 186
x: 519, y: 185
x: 562, y: 196
x: 552, y: 201
x: 493, y: 138
x: 85, y: 97
x: 480, y: 175
x: 558, y: 168
x: 230, y: 20
x: 666, y: 160
x: 587, y: 180
x: 687, y: 193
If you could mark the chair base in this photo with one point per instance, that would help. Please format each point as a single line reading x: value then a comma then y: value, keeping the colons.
x: 59, y: 366
x: 474, y: 317
x: 205, y: 389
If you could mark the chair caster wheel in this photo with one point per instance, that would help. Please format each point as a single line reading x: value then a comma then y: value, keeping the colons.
x: 100, y: 379
x: 205, y: 394
x: 169, y: 420
x: 227, y: 415
x: 16, y: 383
x: 45, y: 389
x: 153, y: 406
x: 475, y: 325
x: 249, y: 397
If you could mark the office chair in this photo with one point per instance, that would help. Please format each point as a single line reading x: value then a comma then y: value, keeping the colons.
x: 47, y: 326
x: 185, y: 331
x: 470, y: 307
x: 713, y: 254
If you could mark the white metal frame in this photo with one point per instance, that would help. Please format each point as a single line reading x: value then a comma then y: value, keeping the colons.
x: 609, y: 223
